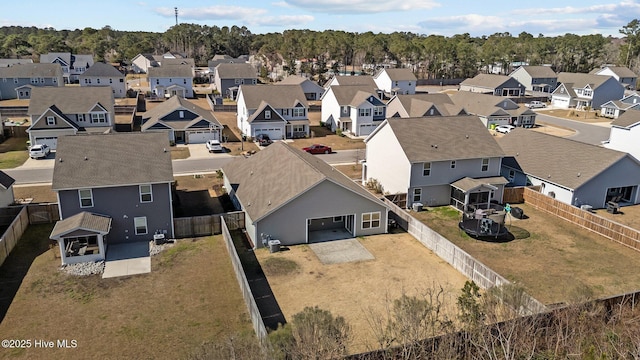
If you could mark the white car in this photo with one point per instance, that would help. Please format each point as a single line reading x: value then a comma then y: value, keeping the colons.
x: 535, y: 105
x: 504, y: 129
x: 214, y: 146
x: 38, y: 151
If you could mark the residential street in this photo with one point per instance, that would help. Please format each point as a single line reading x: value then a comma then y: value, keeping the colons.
x: 585, y: 132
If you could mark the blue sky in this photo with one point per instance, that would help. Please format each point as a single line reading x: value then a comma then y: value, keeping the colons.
x: 477, y: 17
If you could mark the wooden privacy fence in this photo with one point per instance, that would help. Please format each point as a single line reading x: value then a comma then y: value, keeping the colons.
x: 206, y: 225
x: 455, y: 256
x: 254, y: 313
x: 610, y: 229
x: 43, y: 213
x: 15, y: 230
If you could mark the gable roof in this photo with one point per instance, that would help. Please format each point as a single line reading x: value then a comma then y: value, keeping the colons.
x: 437, y: 138
x: 627, y: 119
x: 279, y: 97
x: 176, y: 103
x: 181, y: 71
x: 83, y: 220
x: 263, y: 187
x: 362, y: 80
x: 102, y: 69
x: 179, y: 61
x: 565, y: 162
x: 479, y: 104
x: 293, y: 80
x: 489, y: 81
x: 70, y: 99
x: 580, y: 80
x: 236, y: 71
x: 31, y: 71
x: 91, y: 161
x: 621, y: 71
x: 418, y: 104
x: 5, y: 180
x: 400, y: 74
x: 11, y: 62
x: 352, y: 95
x: 538, y: 71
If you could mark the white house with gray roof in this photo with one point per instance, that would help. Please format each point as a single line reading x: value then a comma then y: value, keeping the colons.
x: 623, y: 74
x: 167, y: 81
x: 69, y: 110
x: 278, y: 111
x: 418, y: 105
x: 536, y: 78
x: 494, y: 110
x: 312, y: 91
x: 577, y: 90
x: 572, y: 172
x: 73, y: 65
x: 614, y: 108
x: 301, y: 200
x: 353, y: 109
x: 101, y: 74
x: 436, y: 161
x: 624, y: 133
x: 183, y: 121
x: 498, y: 85
x: 17, y: 81
x: 396, y: 81
x: 111, y: 189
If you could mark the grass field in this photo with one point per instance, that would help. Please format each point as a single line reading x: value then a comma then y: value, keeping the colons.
x: 13, y: 152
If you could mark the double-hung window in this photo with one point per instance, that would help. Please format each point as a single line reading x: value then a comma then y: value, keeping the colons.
x: 140, y: 224
x: 98, y: 118
x: 298, y: 112
x: 146, y: 193
x: 485, y: 164
x: 426, y: 169
x: 371, y: 220
x: 364, y: 112
x: 86, y: 198
x: 417, y: 195
x: 51, y: 120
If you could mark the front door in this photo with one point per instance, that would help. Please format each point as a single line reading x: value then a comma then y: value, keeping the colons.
x: 348, y: 224
x: 179, y: 136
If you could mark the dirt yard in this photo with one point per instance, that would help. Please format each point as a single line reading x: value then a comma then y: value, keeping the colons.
x: 38, y: 193
x: 353, y: 171
x: 190, y: 297
x: 628, y: 215
x: 577, y: 115
x: 555, y: 261
x: 356, y: 290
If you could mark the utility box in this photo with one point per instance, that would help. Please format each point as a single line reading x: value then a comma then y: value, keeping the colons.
x: 274, y: 246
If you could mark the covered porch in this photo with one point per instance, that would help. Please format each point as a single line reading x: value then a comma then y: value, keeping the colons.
x: 176, y: 90
x: 82, y: 237
x: 296, y: 129
x: 469, y: 193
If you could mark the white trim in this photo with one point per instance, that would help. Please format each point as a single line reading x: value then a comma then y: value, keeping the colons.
x: 150, y: 193
x: 122, y: 185
x: 80, y: 197
x: 370, y: 220
x: 171, y: 210
x: 135, y: 227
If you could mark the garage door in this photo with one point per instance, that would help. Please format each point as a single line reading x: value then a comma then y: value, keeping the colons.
x: 560, y: 102
x: 201, y: 137
x: 273, y: 133
x: 52, y: 142
x: 366, y: 129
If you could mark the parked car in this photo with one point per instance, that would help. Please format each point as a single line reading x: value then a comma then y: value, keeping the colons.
x: 504, y: 129
x: 38, y: 151
x: 535, y: 105
x: 214, y: 146
x: 263, y: 140
x: 318, y: 149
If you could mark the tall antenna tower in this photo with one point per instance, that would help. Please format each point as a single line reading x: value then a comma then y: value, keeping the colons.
x: 175, y: 9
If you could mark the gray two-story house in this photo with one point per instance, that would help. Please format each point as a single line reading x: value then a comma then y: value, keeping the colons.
x: 228, y: 77
x: 537, y: 79
x: 580, y: 91
x: 111, y: 189
x: 57, y: 111
x: 101, y: 74
x: 436, y: 161
x: 17, y: 81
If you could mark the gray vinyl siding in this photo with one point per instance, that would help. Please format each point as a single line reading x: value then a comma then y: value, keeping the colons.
x: 609, y: 90
x: 8, y: 87
x: 123, y: 205
x: 289, y: 223
x: 625, y: 172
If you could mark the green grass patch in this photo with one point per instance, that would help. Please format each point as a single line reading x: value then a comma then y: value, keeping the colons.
x: 445, y: 212
x: 12, y: 159
x: 276, y: 266
x: 179, y: 250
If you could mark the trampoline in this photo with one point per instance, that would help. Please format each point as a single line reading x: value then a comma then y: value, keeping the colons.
x: 483, y: 228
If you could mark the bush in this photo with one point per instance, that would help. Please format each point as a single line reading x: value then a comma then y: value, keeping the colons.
x: 374, y: 185
x: 339, y: 132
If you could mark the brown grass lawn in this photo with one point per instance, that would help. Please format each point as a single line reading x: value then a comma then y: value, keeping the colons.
x: 578, y: 115
x: 353, y: 290
x: 555, y: 261
x: 353, y: 171
x: 181, y: 152
x: 190, y: 297
x: 628, y: 215
x: 39, y: 193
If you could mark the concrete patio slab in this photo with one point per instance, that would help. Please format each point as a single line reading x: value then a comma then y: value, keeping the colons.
x: 341, y: 251
x: 127, y: 259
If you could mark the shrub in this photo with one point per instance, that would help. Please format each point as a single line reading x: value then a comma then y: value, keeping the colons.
x: 374, y: 185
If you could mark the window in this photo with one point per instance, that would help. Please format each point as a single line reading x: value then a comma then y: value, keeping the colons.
x: 253, y: 81
x: 98, y: 81
x: 121, y: 80
x: 485, y: 164
x: 55, y: 80
x: 588, y: 92
x: 86, y: 198
x: 157, y: 81
x: 146, y: 193
x: 181, y: 114
x: 34, y: 80
x: 426, y: 169
x: 298, y: 112
x: 15, y: 80
x: 267, y: 114
x: 285, y: 112
x: 345, y: 110
x: 184, y: 81
x: 87, y: 81
x: 364, y: 112
x: 371, y: 220
x: 378, y: 111
x: 298, y: 128
x: 237, y: 81
x: 80, y: 117
x: 98, y: 118
x: 41, y: 80
x: 140, y: 223
x: 417, y: 195
x: 110, y: 81
x: 512, y: 175
x: 51, y: 120
x: 453, y: 164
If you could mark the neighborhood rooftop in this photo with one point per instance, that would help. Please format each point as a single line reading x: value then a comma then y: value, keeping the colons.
x: 70, y: 99
x: 580, y: 80
x: 176, y: 103
x: 102, y: 69
x: 31, y: 70
x: 486, y: 80
x: 279, y: 97
x: 236, y: 70
x: 539, y: 71
x: 183, y: 71
x: 627, y: 119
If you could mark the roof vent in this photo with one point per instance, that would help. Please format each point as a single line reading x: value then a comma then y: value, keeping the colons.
x: 549, y: 176
x: 60, y: 159
x: 578, y: 174
x: 269, y: 202
x: 164, y: 150
x: 466, y: 136
x: 86, y: 158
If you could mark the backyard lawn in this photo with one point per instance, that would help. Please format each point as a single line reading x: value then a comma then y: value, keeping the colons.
x: 13, y: 152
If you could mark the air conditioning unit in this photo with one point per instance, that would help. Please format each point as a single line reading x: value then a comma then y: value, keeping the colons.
x: 586, y: 207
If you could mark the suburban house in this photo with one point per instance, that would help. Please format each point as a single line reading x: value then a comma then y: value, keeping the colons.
x: 179, y: 61
x: 167, y: 81
x: 6, y: 189
x: 278, y: 111
x: 572, y: 172
x: 224, y: 59
x: 536, y: 78
x: 436, y: 161
x: 312, y: 91
x: 396, y: 81
x: 101, y: 74
x: 17, y: 81
x: 494, y: 110
x: 624, y: 133
x: 577, y: 90
x: 111, y: 189
x: 184, y: 122
x: 362, y: 80
x: 498, y: 85
x: 142, y: 62
x: 11, y: 62
x: 614, y: 108
x: 228, y: 77
x: 70, y: 110
x: 623, y: 74
x: 352, y: 109
x: 301, y: 200
x: 72, y: 65
x: 419, y: 105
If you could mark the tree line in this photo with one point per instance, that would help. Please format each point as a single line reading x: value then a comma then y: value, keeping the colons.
x: 431, y: 56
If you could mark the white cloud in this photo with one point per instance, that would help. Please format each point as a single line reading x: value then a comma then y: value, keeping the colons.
x: 212, y: 12
x: 283, y: 20
x: 354, y: 7
x: 282, y: 4
x: 624, y: 6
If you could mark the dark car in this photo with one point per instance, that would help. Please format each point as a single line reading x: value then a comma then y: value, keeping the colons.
x: 317, y: 149
x: 263, y: 140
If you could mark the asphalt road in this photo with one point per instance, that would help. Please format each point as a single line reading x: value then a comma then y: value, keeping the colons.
x: 587, y: 133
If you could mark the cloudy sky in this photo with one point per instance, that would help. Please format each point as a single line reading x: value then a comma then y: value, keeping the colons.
x: 476, y: 17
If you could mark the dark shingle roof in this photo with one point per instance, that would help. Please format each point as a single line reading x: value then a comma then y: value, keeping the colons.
x: 627, y: 119
x: 70, y: 99
x: 173, y: 62
x: 5, y: 180
x: 264, y: 187
x: 31, y: 70
x: 83, y: 220
x: 176, y: 103
x: 87, y: 161
x: 561, y: 161
x: 279, y: 97
x: 236, y: 71
x: 580, y: 80
x: 102, y: 69
x: 363, y: 80
x: 181, y: 71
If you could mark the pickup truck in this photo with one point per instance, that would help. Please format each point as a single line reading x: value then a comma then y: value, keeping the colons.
x: 535, y: 105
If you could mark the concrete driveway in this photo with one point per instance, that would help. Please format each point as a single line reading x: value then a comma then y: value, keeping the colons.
x: 341, y: 251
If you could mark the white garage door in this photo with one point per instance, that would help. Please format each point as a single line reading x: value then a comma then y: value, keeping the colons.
x: 366, y: 129
x: 52, y: 142
x: 201, y: 137
x: 560, y: 102
x: 273, y: 133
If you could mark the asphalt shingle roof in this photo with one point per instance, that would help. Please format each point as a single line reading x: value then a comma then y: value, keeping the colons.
x: 31, y: 71
x: 580, y: 80
x: 5, y: 180
x: 70, y: 99
x: 176, y: 103
x: 417, y: 105
x: 490, y: 81
x: 236, y: 71
x: 363, y: 80
x: 539, y: 71
x: 399, y: 74
x: 627, y: 119
x: 102, y: 69
x: 352, y: 95
x: 83, y: 220
x: 278, y: 96
x: 181, y: 71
